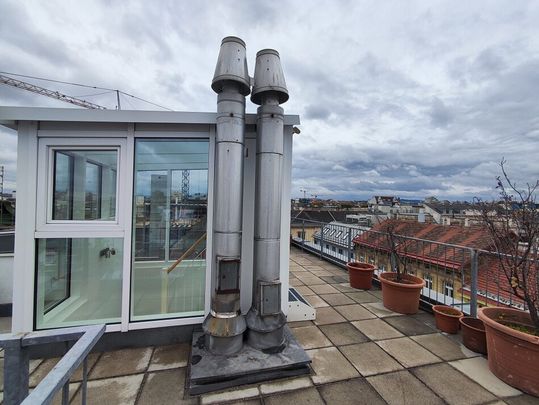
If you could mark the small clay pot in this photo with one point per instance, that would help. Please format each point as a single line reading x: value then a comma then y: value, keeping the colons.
x: 473, y: 334
x: 360, y: 275
x: 447, y: 318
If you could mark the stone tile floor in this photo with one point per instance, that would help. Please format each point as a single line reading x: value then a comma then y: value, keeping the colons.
x: 361, y: 352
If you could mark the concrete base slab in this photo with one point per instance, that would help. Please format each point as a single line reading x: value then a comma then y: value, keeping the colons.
x: 209, y: 372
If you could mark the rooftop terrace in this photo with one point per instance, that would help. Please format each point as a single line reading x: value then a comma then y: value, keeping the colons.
x: 361, y: 353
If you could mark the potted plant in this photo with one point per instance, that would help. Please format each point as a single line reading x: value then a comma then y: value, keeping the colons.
x: 447, y: 318
x: 400, y: 290
x: 360, y: 275
x: 473, y: 334
x: 512, y: 334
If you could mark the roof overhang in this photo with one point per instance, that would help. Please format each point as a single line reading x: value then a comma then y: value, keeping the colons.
x: 11, y: 116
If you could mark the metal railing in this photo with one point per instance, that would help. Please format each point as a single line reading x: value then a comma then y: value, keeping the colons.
x: 16, y: 364
x: 454, y: 274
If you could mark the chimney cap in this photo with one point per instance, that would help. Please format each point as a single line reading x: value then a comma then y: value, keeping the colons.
x: 232, y: 66
x: 269, y: 77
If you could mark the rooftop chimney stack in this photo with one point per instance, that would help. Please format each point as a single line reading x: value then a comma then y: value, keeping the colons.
x: 224, y: 325
x: 265, y: 319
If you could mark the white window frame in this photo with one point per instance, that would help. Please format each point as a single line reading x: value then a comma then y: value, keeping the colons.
x: 47, y: 147
x: 428, y: 281
x: 449, y: 288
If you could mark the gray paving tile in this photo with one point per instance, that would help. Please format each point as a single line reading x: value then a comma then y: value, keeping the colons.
x: 379, y: 310
x: 443, y: 347
x: 304, y: 290
x: 323, y: 289
x: 308, y: 396
x: 310, y: 337
x: 295, y: 282
x: 165, y: 387
x: 402, y: 388
x: 327, y: 315
x: 122, y: 362
x: 354, y: 312
x: 343, y: 334
x: 330, y: 365
x: 425, y: 318
x: 344, y: 287
x: 170, y: 356
x: 298, y: 324
x: 369, y: 359
x: 377, y: 293
x: 287, y: 384
x: 57, y: 399
x: 321, y: 273
x: 362, y: 297
x: 235, y: 394
x: 316, y: 301
x: 48, y: 364
x: 477, y: 369
x: 409, y: 326
x: 523, y: 399
x: 336, y: 299
x: 352, y: 392
x: 451, y: 385
x: 118, y: 390
x: 408, y: 352
x: 376, y: 329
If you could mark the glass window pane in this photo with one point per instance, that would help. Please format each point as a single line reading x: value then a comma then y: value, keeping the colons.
x: 79, y: 281
x: 84, y: 185
x: 169, y: 228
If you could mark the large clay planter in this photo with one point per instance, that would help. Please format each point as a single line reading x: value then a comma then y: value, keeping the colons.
x: 473, y: 334
x: 447, y: 318
x: 360, y: 275
x: 513, y: 356
x: 401, y: 297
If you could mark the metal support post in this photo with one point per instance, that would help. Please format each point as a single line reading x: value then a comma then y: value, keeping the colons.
x: 322, y: 242
x: 303, y: 235
x: 350, y: 245
x: 473, y: 287
x: 16, y: 364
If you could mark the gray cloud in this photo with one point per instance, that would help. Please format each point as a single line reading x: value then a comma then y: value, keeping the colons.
x: 408, y: 99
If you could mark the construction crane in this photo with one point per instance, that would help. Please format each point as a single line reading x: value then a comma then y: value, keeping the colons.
x: 51, y: 93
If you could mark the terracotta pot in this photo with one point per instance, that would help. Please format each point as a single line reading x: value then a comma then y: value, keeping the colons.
x: 473, y: 334
x: 513, y: 356
x: 360, y: 275
x: 401, y: 297
x: 447, y: 318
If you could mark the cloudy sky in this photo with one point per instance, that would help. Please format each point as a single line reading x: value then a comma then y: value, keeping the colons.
x: 405, y: 98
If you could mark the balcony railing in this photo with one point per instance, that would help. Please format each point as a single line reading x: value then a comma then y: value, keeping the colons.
x: 17, y: 357
x: 455, y: 275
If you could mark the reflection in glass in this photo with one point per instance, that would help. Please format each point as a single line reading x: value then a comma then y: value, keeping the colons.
x: 170, y: 209
x: 79, y: 281
x: 84, y: 185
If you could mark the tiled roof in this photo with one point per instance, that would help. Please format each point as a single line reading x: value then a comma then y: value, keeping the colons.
x: 492, y: 281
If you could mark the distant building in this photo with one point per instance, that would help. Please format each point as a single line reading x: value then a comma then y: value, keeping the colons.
x: 452, y: 213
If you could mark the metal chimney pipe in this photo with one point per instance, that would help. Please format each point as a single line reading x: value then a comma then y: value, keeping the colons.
x: 224, y: 325
x: 265, y: 319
